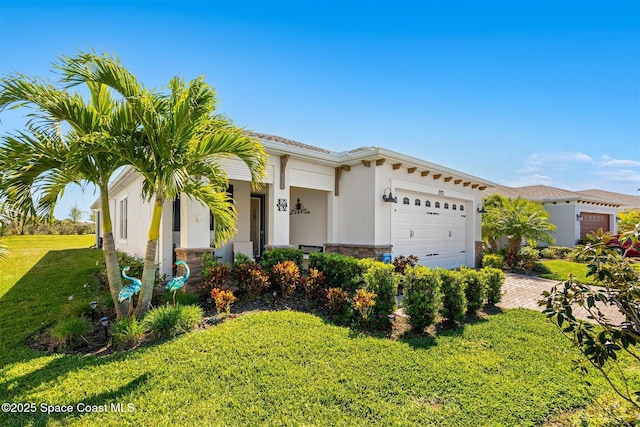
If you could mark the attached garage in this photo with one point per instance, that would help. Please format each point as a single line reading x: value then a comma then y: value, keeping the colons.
x: 431, y: 227
x: 592, y: 222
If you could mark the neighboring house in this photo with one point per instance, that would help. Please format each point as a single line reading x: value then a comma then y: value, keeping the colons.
x: 316, y: 197
x: 627, y: 202
x: 574, y: 213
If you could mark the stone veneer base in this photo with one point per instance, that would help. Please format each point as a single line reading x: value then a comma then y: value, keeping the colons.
x: 193, y: 258
x: 358, y: 250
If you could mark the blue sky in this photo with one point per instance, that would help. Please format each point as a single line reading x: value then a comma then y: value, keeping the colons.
x: 516, y: 92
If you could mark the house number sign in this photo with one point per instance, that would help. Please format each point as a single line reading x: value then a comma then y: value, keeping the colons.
x: 282, y: 205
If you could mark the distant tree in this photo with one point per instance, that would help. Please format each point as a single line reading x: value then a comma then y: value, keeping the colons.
x: 517, y: 220
x: 92, y: 216
x: 75, y: 214
x: 490, y: 234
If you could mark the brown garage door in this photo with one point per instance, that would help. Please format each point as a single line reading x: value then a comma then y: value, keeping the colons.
x: 592, y: 222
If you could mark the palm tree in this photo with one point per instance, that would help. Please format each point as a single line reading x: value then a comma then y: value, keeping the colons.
x: 490, y: 234
x: 184, y: 140
x: 520, y: 219
x: 44, y: 159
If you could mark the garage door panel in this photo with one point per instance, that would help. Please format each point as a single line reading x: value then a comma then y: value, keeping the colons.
x: 437, y: 236
x: 591, y: 222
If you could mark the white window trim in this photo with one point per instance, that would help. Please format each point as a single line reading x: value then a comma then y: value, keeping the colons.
x: 123, y: 219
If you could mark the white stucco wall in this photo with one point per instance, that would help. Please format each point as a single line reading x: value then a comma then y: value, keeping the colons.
x: 563, y: 216
x: 309, y: 229
x: 138, y: 219
x: 357, y: 205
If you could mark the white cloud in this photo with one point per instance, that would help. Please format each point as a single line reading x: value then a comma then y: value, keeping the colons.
x: 578, y: 171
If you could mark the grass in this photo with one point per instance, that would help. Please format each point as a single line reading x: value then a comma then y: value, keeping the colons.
x: 286, y: 368
x: 560, y: 270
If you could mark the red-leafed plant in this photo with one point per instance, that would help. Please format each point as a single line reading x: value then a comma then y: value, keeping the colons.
x: 223, y: 298
x: 287, y: 276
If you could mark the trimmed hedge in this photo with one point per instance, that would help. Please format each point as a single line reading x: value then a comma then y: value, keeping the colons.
x: 454, y: 301
x: 340, y: 271
x: 278, y: 255
x: 422, y: 296
x: 493, y: 261
x: 475, y: 290
x: 383, y: 280
x: 494, y: 278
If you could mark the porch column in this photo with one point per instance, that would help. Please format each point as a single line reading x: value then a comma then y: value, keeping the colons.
x: 194, y: 224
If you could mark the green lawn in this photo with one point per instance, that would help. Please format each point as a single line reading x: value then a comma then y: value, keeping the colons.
x: 278, y: 368
x: 560, y: 270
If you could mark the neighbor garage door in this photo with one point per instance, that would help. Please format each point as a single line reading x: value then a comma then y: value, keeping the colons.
x: 591, y: 222
x: 432, y: 228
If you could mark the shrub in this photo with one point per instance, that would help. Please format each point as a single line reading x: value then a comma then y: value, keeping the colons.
x: 561, y: 251
x: 215, y: 275
x: 493, y: 261
x: 136, y: 266
x: 313, y: 286
x: 287, y: 275
x: 250, y: 278
x: 423, y: 297
x: 128, y: 333
x: 223, y: 298
x: 339, y: 270
x: 494, y: 279
x: 168, y: 321
x: 71, y: 331
x: 276, y: 256
x: 475, y: 289
x: 401, y: 262
x: 241, y: 258
x: 548, y: 253
x: 363, y: 302
x: 454, y: 301
x: 337, y: 300
x: 541, y: 268
x: 527, y: 258
x: 383, y: 280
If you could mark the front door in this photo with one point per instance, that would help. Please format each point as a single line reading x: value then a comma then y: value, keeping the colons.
x: 257, y: 223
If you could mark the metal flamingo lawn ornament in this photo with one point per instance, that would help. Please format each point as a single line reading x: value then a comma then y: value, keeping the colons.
x: 178, y: 281
x: 130, y: 290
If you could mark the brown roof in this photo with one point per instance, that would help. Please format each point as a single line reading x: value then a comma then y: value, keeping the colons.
x: 623, y: 199
x: 286, y: 141
x: 541, y: 193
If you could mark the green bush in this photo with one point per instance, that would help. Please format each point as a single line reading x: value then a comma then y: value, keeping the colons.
x: 127, y: 333
x: 494, y: 279
x: 493, y: 261
x: 313, y: 285
x: 71, y: 331
x: 422, y: 296
x: 168, y: 321
x: 541, y: 268
x: 561, y: 251
x: 278, y: 255
x: 382, y: 280
x: 214, y: 275
x: 527, y: 258
x: 548, y: 253
x: 475, y: 289
x: 136, y: 265
x: 454, y: 301
x: 340, y: 271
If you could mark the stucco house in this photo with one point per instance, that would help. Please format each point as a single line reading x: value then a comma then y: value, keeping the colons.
x: 574, y: 213
x: 363, y: 202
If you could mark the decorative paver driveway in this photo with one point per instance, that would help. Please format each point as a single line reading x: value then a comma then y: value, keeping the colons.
x: 526, y: 291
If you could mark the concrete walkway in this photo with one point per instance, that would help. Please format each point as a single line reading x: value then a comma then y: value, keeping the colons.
x: 526, y: 291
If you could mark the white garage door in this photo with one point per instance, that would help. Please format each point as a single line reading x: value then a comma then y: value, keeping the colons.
x: 430, y: 227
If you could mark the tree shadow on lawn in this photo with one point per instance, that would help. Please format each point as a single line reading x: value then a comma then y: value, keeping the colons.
x: 108, y: 401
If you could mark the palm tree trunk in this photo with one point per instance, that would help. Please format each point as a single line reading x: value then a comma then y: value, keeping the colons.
x: 149, y: 270
x: 110, y: 257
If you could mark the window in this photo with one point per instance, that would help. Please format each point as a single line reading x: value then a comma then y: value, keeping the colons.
x: 123, y: 219
x: 461, y: 207
x: 405, y: 201
x: 446, y: 205
x: 176, y: 214
x: 437, y: 204
x: 454, y: 207
x: 427, y: 203
x: 417, y: 202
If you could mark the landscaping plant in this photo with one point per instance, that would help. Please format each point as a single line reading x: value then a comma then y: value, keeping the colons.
x: 401, y: 262
x: 250, y: 278
x: 340, y: 271
x: 287, y: 275
x: 215, y: 275
x: 619, y: 287
x: 169, y: 321
x: 383, y: 280
x: 493, y: 261
x: 313, y: 285
x: 363, y: 302
x: 275, y: 256
x: 72, y: 331
x: 454, y: 301
x: 422, y: 296
x: 475, y: 289
x: 494, y: 279
x: 223, y: 298
x: 128, y: 332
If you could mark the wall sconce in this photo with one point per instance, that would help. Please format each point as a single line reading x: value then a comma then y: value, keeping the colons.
x: 579, y: 217
x: 299, y: 208
x: 388, y: 197
x: 481, y: 209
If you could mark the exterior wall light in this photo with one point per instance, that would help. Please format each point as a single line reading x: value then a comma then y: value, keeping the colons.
x: 481, y: 209
x: 388, y: 197
x: 579, y: 217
